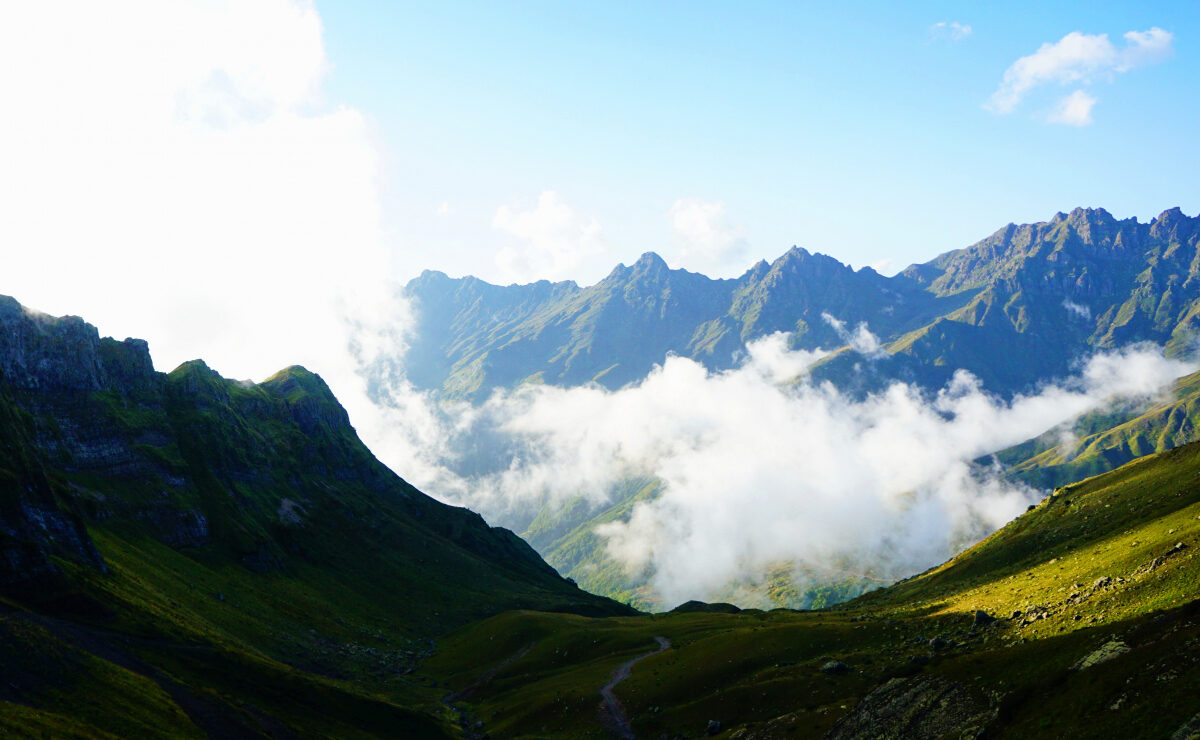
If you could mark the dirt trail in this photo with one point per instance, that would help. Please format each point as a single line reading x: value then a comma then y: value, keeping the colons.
x: 612, y: 713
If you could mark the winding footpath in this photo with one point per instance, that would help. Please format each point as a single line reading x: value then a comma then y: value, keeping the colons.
x: 611, y: 710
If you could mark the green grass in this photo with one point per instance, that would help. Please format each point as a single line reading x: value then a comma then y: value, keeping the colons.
x: 302, y: 608
x: 756, y: 670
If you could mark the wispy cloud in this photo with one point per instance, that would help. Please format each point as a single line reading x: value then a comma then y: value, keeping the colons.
x: 554, y: 238
x: 1077, y: 58
x: 703, y: 234
x: 862, y: 340
x: 1076, y: 309
x: 949, y: 31
x: 1073, y: 110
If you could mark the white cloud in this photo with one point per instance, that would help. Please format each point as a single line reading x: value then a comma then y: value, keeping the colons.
x: 555, y: 239
x: 1078, y: 58
x: 756, y: 468
x: 861, y: 340
x: 950, y: 30
x: 1073, y: 110
x: 704, y: 238
x: 172, y: 172
x: 444, y: 209
x: 1081, y: 311
x: 1145, y: 47
x: 884, y: 266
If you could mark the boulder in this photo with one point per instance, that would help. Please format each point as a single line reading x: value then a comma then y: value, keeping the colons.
x: 834, y: 667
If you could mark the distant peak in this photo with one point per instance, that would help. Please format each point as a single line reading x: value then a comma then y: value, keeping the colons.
x: 1171, y: 215
x: 1090, y: 214
x: 651, y: 260
x: 801, y: 257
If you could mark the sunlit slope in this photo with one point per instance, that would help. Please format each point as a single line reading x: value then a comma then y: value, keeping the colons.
x: 1101, y: 441
x: 1091, y: 628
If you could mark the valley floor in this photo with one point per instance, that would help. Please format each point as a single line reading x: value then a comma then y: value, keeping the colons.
x: 1079, y: 619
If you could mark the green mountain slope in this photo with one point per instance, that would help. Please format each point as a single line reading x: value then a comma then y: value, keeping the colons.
x: 473, y: 337
x: 1101, y: 441
x: 1078, y: 619
x: 194, y: 555
x: 1017, y: 308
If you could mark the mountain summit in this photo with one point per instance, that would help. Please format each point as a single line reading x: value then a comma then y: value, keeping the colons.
x: 1015, y: 308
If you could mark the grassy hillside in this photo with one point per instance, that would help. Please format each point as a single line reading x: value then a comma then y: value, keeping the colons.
x: 1090, y: 628
x: 184, y: 555
x: 1103, y: 440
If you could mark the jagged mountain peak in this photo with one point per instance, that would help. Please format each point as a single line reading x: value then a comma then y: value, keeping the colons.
x: 649, y: 265
x: 651, y: 261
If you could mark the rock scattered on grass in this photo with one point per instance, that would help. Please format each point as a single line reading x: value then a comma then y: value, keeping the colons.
x: 834, y: 667
x: 1190, y: 730
x: 1103, y: 654
x: 982, y: 619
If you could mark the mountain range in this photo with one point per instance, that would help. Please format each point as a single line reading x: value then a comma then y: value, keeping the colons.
x: 184, y: 555
x: 1015, y: 309
x: 1019, y: 309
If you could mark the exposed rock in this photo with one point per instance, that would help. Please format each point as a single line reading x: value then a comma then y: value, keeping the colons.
x: 1103, y: 654
x: 714, y: 727
x: 290, y: 512
x: 982, y: 619
x: 916, y: 708
x: 834, y: 667
x: 1189, y: 730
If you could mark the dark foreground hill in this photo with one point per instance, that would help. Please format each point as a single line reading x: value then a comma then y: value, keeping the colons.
x: 186, y: 555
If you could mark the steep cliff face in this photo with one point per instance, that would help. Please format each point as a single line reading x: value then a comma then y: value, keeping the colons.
x: 271, y: 477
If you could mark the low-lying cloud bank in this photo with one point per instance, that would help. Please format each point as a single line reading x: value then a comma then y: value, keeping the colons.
x: 757, y: 467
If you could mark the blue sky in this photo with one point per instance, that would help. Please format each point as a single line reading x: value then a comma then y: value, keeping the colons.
x: 244, y: 180
x: 859, y: 132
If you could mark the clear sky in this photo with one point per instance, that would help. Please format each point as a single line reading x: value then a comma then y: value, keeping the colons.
x: 861, y: 130
x: 239, y: 180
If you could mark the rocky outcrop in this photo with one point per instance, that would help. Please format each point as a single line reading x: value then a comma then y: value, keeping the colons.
x: 49, y: 354
x: 37, y: 523
x: 915, y: 709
